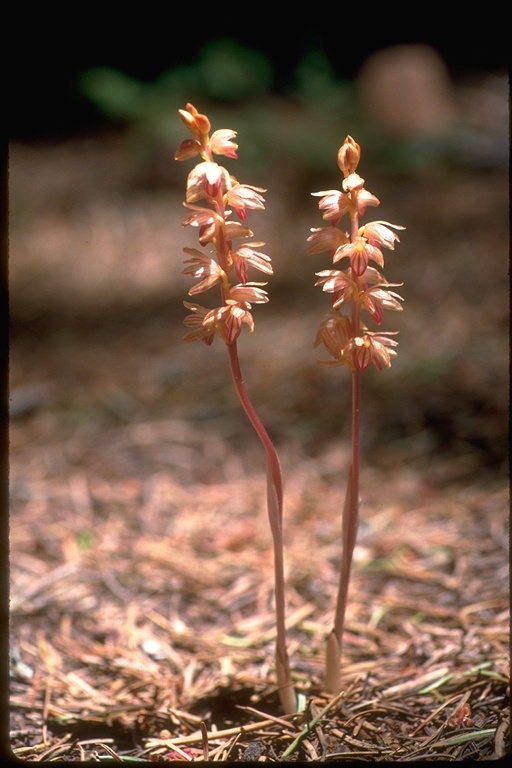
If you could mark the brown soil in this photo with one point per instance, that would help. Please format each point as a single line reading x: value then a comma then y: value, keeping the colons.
x: 141, y: 558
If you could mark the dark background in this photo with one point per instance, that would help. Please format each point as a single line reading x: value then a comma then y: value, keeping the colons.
x: 48, y: 50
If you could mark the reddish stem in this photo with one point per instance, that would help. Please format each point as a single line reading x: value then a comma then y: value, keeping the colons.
x: 275, y: 512
x: 350, y: 517
x: 350, y: 513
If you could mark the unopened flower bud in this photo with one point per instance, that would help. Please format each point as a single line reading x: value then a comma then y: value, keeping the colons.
x: 198, y: 124
x: 348, y: 156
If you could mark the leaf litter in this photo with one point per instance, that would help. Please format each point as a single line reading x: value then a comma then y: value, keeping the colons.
x: 154, y: 630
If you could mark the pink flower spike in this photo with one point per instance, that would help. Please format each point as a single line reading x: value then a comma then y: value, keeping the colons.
x: 349, y: 342
x: 221, y: 194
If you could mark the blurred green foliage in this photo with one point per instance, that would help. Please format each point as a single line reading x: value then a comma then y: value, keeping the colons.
x: 234, y: 86
x: 225, y: 72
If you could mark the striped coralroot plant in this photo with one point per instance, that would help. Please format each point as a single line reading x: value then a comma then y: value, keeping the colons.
x: 213, y: 195
x: 357, y: 291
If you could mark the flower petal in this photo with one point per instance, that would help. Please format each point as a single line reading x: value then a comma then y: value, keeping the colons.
x: 221, y: 144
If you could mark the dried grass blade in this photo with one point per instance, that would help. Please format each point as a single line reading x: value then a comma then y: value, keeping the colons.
x: 195, y: 738
x: 312, y: 723
x: 462, y: 738
x: 111, y: 752
x: 416, y: 685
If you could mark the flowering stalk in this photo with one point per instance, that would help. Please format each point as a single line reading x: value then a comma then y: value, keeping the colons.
x: 220, y: 193
x: 360, y: 288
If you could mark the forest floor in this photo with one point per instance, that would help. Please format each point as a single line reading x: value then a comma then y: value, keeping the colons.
x: 141, y: 568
